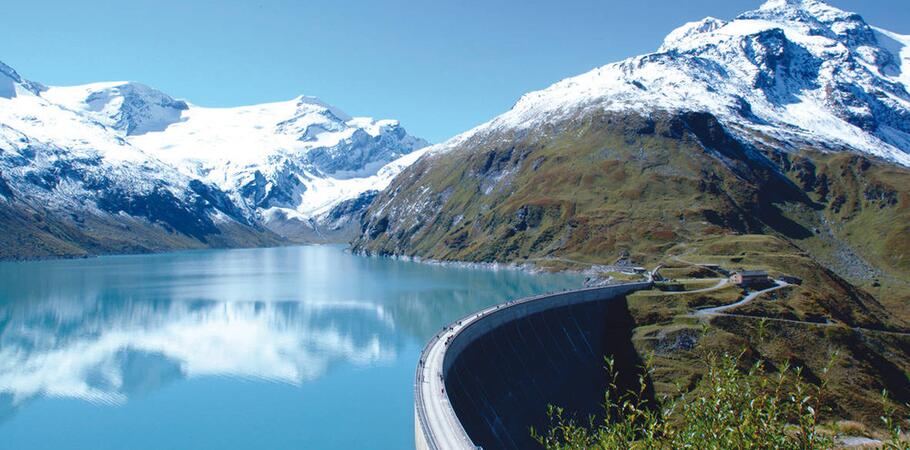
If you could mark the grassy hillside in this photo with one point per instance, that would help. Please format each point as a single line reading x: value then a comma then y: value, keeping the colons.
x: 804, y: 325
x: 607, y: 184
x: 860, y: 216
x: 585, y: 190
x: 672, y: 188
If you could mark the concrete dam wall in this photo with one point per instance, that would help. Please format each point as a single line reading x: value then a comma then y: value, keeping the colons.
x: 485, y: 380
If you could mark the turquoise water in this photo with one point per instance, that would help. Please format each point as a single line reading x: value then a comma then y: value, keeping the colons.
x: 280, y: 348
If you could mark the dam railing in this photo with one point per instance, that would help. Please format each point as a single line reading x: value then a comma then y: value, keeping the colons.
x: 437, y: 426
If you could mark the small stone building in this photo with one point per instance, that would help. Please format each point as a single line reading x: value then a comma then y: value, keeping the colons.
x: 746, y: 278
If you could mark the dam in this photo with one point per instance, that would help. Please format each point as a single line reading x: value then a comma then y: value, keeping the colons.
x: 485, y: 380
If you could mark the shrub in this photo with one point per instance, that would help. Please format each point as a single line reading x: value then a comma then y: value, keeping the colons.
x: 729, y: 409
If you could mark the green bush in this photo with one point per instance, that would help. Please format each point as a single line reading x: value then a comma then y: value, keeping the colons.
x: 729, y: 409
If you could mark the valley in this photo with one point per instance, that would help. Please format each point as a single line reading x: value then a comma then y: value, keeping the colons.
x: 775, y: 143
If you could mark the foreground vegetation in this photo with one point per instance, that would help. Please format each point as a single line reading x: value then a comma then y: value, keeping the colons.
x: 730, y: 408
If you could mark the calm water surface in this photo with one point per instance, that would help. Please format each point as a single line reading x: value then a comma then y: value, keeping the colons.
x: 299, y: 347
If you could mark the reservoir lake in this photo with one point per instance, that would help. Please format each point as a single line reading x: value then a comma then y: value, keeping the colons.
x: 305, y: 347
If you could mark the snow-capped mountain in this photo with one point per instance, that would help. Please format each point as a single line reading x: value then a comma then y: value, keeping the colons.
x: 301, y: 168
x: 799, y: 70
x: 286, y: 163
x: 792, y: 120
x: 292, y: 160
x: 70, y: 185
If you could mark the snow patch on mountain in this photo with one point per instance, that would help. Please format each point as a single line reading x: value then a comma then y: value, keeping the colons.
x: 899, y: 48
x: 325, y: 193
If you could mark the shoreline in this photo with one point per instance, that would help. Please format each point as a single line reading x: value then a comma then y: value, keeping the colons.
x: 527, y: 267
x: 154, y: 252
x: 592, y: 280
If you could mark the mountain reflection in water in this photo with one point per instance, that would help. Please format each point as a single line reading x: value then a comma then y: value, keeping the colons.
x: 105, y: 330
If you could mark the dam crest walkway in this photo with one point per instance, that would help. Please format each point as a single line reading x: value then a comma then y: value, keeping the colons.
x: 437, y: 426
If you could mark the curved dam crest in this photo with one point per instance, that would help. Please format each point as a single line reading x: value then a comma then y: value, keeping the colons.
x: 485, y: 380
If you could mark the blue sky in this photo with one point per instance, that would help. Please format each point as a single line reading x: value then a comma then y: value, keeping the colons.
x: 439, y: 66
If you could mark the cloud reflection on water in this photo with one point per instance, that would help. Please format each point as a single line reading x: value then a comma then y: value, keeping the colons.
x: 111, y: 352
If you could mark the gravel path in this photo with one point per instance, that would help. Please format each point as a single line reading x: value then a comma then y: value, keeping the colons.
x: 748, y: 298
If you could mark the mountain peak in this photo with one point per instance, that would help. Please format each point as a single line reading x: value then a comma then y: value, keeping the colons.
x: 798, y: 4
x: 9, y: 79
x: 801, y: 8
x: 681, y: 34
x: 130, y: 107
x: 801, y: 70
x: 814, y: 17
x: 306, y: 100
x: 808, y: 6
x: 810, y: 22
x: 9, y: 71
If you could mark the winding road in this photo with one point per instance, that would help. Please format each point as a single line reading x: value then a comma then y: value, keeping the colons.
x: 719, y: 311
x: 720, y: 284
x: 748, y: 298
